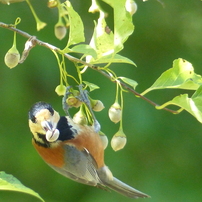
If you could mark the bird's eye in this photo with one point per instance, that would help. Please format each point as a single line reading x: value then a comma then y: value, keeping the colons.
x: 33, y: 119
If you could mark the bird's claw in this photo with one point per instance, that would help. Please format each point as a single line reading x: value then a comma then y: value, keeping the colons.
x: 83, y: 97
x: 65, y: 106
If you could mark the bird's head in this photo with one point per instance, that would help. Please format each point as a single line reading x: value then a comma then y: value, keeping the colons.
x: 43, y: 121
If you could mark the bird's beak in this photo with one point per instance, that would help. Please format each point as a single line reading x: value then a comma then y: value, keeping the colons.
x: 47, y: 125
x: 52, y: 133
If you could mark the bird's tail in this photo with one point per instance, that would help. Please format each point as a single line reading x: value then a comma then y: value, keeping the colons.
x: 124, y: 189
x: 119, y: 186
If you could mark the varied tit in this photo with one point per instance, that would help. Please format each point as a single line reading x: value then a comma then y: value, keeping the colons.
x: 75, y: 151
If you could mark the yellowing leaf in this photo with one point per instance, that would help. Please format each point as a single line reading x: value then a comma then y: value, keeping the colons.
x: 123, y: 25
x: 102, y: 41
x: 106, y: 43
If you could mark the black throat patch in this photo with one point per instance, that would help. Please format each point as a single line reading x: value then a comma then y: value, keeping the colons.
x: 66, y: 130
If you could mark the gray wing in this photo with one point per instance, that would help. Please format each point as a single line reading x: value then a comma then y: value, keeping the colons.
x: 80, y: 166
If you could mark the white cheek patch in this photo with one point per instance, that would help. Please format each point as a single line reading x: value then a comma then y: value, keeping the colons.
x: 52, y: 136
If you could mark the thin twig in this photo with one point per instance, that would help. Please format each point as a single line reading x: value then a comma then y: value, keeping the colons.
x: 73, y: 59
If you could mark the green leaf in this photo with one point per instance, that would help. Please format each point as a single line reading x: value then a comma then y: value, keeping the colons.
x: 76, y: 33
x: 85, y: 49
x: 129, y: 81
x: 123, y: 25
x: 192, y: 105
x: 113, y: 59
x: 92, y: 86
x: 10, y: 183
x: 181, y: 75
x: 102, y: 41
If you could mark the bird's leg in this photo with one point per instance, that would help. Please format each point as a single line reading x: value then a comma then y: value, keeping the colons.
x: 65, y: 106
x: 83, y: 97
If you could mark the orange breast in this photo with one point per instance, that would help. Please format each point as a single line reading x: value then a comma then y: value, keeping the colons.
x: 53, y: 156
x: 86, y: 138
x: 91, y: 141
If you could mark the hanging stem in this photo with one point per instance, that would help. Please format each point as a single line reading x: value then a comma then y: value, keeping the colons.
x: 121, y: 121
x: 61, y: 70
x: 76, y: 60
x: 39, y: 23
x: 79, y: 73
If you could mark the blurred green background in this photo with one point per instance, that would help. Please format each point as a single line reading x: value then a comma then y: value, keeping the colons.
x: 163, y: 156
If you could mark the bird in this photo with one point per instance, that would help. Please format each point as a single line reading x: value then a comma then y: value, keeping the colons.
x: 73, y: 150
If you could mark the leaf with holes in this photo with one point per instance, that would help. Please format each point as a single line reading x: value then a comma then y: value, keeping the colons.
x: 123, y: 25
x: 181, y: 76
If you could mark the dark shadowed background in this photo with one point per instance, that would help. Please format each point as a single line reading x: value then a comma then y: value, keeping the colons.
x: 163, y: 155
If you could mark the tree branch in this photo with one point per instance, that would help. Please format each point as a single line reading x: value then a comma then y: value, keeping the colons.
x: 73, y: 59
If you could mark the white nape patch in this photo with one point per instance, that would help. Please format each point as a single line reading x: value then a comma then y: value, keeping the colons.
x: 73, y: 124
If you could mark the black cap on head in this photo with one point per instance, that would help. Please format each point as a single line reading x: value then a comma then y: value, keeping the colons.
x: 37, y: 107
